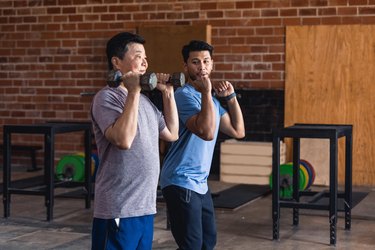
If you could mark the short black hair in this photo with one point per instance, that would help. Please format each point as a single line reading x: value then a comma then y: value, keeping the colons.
x: 195, y: 45
x: 118, y: 45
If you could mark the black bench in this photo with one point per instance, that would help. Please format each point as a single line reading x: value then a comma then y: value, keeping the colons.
x: 31, y: 150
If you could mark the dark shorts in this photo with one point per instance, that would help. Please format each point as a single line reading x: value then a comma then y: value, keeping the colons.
x: 192, y: 218
x: 131, y: 233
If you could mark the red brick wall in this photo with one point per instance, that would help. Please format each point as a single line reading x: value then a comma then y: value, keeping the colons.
x: 52, y: 50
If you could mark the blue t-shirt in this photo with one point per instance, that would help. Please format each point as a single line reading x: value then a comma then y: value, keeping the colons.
x: 188, y: 161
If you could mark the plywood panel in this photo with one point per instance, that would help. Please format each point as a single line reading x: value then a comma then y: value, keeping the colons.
x: 163, y: 44
x: 330, y: 74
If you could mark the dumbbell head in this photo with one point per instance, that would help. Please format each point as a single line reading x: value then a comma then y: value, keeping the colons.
x: 147, y: 81
x: 114, y: 78
x: 177, y: 79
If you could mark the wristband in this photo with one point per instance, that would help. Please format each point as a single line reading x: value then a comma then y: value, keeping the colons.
x: 229, y: 97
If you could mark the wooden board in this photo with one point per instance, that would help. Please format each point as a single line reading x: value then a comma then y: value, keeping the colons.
x: 164, y: 44
x: 247, y: 162
x: 330, y: 74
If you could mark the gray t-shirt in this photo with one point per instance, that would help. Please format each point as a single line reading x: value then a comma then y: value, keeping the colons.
x: 126, y: 180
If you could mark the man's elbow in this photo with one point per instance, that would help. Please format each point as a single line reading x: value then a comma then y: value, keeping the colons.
x: 207, y: 136
x: 240, y: 135
x: 173, y: 138
x: 124, y: 144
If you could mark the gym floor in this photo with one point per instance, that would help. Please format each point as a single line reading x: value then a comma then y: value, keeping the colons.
x: 249, y: 227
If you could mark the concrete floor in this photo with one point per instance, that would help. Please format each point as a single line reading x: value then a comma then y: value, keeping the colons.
x: 249, y: 227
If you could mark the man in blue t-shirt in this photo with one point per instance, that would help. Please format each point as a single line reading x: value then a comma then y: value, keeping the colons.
x: 187, y: 164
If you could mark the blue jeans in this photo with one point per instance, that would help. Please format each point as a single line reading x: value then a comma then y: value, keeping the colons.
x: 192, y: 218
x: 135, y: 233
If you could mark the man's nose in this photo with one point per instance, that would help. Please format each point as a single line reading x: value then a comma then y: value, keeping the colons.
x: 200, y: 65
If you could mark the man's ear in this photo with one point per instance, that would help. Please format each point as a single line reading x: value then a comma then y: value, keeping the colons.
x: 116, y: 62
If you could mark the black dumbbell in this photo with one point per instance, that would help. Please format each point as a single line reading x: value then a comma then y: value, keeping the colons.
x: 177, y: 79
x: 147, y: 81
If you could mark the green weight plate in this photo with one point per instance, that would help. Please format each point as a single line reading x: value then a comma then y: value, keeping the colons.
x: 70, y: 167
x: 288, y: 169
x: 286, y: 180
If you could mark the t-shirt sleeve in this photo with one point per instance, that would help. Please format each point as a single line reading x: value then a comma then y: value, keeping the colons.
x: 187, y: 105
x: 105, y: 110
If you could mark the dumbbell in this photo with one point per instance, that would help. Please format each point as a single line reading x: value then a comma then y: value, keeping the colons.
x: 147, y: 81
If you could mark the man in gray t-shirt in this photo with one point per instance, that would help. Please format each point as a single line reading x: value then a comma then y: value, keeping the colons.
x: 127, y: 128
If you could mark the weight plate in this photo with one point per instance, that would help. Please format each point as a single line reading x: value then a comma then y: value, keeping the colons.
x: 306, y: 174
x: 313, y: 173
x: 71, y: 168
x: 308, y: 169
x: 93, y: 162
x: 286, y: 180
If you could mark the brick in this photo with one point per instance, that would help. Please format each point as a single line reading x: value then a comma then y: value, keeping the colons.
x: 319, y: 3
x: 232, y: 13
x: 236, y: 22
x: 271, y: 58
x: 366, y: 10
x: 244, y: 5
x: 251, y: 13
x: 223, y: 67
x: 337, y: 3
x: 262, y: 66
x: 327, y: 12
x: 230, y: 76
x: 352, y: 20
x: 307, y: 12
x: 292, y: 21
x: 248, y: 66
x: 236, y: 40
x: 214, y: 14
x: 347, y: 11
x: 269, y: 12
x: 191, y: 15
x: 357, y: 2
x: 75, y: 18
x: 311, y: 21
x: 262, y: 4
x: 264, y: 31
x: 246, y: 32
x: 368, y: 20
x: 208, y: 6
x: 272, y: 22
x: 274, y: 40
x: 331, y: 20
x: 299, y: 3
x: 254, y: 40
x: 226, y: 5
x: 252, y: 75
x: 69, y: 10
x: 258, y: 49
